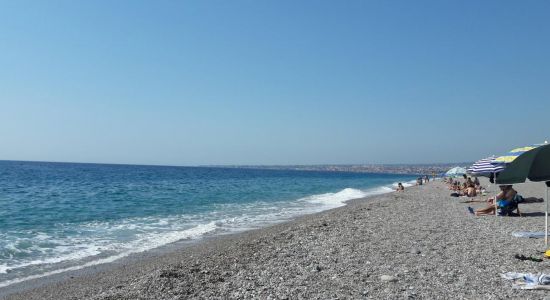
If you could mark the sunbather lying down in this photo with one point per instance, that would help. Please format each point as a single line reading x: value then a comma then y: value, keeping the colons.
x: 504, y: 199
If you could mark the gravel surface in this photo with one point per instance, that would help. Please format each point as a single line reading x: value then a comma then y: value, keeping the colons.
x: 421, y: 244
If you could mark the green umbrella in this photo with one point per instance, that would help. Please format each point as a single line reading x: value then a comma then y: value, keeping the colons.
x: 533, y: 165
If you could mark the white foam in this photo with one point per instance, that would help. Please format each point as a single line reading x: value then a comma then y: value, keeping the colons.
x: 74, y: 268
x: 405, y: 184
x: 147, y: 243
x: 336, y: 199
x: 331, y: 200
x: 380, y: 191
x: 74, y: 255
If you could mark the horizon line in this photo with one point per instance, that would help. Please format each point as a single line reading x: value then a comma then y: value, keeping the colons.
x: 238, y: 165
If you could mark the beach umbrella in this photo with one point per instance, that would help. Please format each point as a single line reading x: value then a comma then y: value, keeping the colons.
x: 455, y: 172
x: 484, y: 167
x: 533, y: 165
x: 512, y: 155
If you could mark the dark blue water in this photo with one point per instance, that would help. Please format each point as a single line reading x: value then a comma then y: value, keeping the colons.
x: 61, y: 216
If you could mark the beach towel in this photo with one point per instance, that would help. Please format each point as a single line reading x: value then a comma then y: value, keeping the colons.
x: 528, y: 281
x: 528, y: 234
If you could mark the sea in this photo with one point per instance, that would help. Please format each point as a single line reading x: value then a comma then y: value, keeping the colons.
x: 58, y: 217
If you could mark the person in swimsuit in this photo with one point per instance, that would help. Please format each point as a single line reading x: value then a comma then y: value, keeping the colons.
x: 470, y: 190
x: 400, y: 187
x: 507, y: 193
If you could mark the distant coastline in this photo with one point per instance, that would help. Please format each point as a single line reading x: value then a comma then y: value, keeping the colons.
x: 406, y: 169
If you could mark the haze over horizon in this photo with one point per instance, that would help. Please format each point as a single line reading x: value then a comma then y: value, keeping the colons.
x: 273, y: 82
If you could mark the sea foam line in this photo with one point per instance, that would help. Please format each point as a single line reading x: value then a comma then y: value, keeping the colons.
x: 172, y: 237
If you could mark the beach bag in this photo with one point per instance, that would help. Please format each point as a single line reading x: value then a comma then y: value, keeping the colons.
x: 454, y: 195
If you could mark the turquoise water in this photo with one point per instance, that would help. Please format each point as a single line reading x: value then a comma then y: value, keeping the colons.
x: 63, y: 216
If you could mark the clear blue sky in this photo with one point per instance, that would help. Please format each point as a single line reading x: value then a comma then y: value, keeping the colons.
x: 272, y: 82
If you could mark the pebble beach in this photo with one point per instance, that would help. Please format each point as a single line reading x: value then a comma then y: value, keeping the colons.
x: 419, y: 244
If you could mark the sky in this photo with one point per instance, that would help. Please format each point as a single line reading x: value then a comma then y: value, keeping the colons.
x: 272, y: 82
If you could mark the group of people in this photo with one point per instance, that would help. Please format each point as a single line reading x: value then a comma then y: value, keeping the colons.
x: 504, y: 203
x: 469, y: 187
x: 419, y: 181
x: 422, y: 180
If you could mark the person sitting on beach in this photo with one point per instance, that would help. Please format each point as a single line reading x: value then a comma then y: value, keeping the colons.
x: 476, y: 181
x: 504, y: 198
x: 470, y: 190
x: 452, y: 184
x: 400, y: 187
x: 479, y: 189
x: 419, y: 181
x: 456, y: 186
x: 463, y: 188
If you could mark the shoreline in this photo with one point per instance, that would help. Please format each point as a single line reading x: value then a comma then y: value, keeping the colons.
x: 99, y: 263
x: 341, y: 252
x: 61, y: 275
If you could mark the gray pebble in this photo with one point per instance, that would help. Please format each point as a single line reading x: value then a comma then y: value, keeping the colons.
x: 388, y: 278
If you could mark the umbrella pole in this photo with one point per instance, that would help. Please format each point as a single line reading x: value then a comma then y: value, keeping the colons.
x: 495, y: 198
x: 546, y: 219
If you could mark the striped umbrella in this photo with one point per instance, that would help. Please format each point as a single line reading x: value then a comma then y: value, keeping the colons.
x: 484, y: 167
